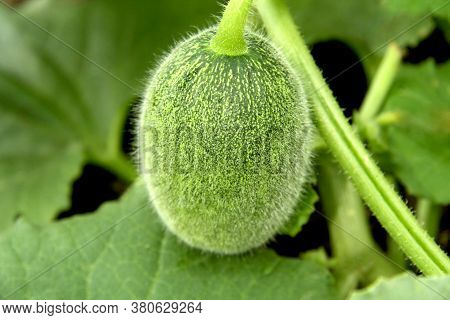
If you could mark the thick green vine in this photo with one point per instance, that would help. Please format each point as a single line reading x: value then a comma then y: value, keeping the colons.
x: 349, y: 151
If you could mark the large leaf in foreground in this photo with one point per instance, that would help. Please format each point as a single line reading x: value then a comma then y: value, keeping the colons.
x: 418, y: 134
x: 60, y: 109
x: 123, y: 252
x: 407, y: 287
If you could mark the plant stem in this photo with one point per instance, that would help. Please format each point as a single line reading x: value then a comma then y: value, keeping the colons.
x: 381, y: 83
x: 351, y: 241
x: 349, y: 151
x: 429, y: 215
x: 229, y: 39
x: 344, y: 207
x: 365, y: 119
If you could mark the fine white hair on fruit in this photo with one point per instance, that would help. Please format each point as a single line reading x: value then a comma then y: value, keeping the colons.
x: 224, y: 143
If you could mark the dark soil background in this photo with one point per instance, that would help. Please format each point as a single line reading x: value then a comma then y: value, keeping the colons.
x: 97, y: 185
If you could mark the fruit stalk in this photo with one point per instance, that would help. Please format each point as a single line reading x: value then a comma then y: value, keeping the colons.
x: 349, y: 151
x: 229, y: 39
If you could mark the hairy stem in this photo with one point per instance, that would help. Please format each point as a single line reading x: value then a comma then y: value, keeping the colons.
x: 229, y: 39
x: 349, y: 151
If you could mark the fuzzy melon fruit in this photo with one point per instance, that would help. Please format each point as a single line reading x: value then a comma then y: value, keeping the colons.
x: 224, y: 143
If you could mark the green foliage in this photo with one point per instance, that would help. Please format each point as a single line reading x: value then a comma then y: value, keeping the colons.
x: 366, y: 25
x: 439, y: 8
x: 418, y: 130
x: 407, y: 287
x: 134, y: 257
x: 444, y: 25
x: 225, y: 143
x: 71, y: 70
x: 59, y: 109
x: 302, y: 212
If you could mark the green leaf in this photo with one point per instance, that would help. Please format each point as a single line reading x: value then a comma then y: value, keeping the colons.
x: 35, y: 172
x: 440, y: 8
x: 364, y: 25
x: 407, y: 287
x: 123, y: 252
x: 69, y: 70
x: 444, y: 25
x: 303, y: 211
x: 418, y: 130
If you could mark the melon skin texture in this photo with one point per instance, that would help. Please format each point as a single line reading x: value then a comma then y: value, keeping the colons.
x: 224, y: 143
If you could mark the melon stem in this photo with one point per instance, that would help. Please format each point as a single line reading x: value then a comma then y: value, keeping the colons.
x: 229, y: 39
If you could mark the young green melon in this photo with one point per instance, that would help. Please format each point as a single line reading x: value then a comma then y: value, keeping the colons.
x: 224, y: 143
